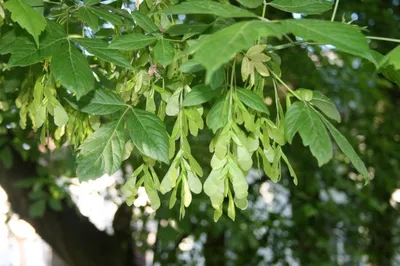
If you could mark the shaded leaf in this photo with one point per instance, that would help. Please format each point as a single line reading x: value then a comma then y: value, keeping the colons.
x: 182, y: 29
x: 199, y: 94
x: 107, y: 15
x: 132, y: 41
x: 252, y: 100
x: 208, y: 7
x: 251, y: 3
x: 324, y: 104
x: 89, y: 17
x: 348, y: 150
x: 72, y: 70
x: 102, y: 102
x: 27, y: 17
x: 163, y: 53
x: 144, y: 22
x: 218, y: 115
x: 100, y: 49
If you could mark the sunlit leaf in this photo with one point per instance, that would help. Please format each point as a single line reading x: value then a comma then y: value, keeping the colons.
x: 309, y: 7
x: 208, y: 7
x: 218, y: 48
x: 345, y: 37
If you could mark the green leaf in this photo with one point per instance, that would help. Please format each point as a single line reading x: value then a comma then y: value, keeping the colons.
x: 60, y: 115
x: 218, y: 115
x: 291, y: 170
x: 194, y: 183
x: 72, y: 70
x: 324, y: 104
x: 169, y: 180
x: 27, y: 17
x: 100, y: 49
x: 90, y: 2
x: 89, y: 17
x: 6, y: 157
x: 191, y: 66
x: 38, y: 208
x: 217, y: 49
x: 392, y: 58
x: 132, y: 41
x: 251, y: 3
x: 149, y: 134
x: 102, y: 152
x: 348, y: 150
x: 310, y: 7
x: 303, y: 119
x: 145, y: 22
x: 214, y: 186
x: 344, y: 37
x: 102, y: 102
x: 238, y: 179
x: 24, y: 53
x: 52, y: 39
x: 163, y: 53
x: 7, y: 42
x: 252, y: 100
x: 182, y: 29
x: 55, y: 204
x: 208, y: 7
x: 199, y: 94
x: 107, y: 15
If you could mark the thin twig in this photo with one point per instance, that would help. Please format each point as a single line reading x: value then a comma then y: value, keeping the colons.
x: 335, y: 10
x: 383, y: 39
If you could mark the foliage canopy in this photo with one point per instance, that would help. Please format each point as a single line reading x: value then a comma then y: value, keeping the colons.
x: 144, y: 85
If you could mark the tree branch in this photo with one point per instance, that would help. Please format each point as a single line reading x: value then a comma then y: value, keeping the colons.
x: 71, y: 235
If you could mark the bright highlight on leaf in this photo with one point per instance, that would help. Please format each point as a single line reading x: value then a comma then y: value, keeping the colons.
x: 344, y: 37
x: 309, y: 7
x: 208, y: 7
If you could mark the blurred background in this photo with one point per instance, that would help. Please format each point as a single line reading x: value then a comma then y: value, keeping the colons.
x: 330, y: 218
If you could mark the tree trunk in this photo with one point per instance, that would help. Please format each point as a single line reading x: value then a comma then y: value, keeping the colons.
x: 214, y: 249
x: 71, y: 235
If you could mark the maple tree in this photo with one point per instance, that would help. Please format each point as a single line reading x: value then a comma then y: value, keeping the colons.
x: 142, y: 85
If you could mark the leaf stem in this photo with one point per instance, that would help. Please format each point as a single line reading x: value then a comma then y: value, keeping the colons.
x: 383, y: 39
x: 264, y: 8
x: 172, y: 40
x: 231, y: 89
x: 292, y: 44
x: 285, y: 85
x: 335, y: 10
x: 276, y: 100
x: 181, y: 119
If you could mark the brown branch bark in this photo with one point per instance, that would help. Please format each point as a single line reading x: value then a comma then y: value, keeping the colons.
x: 71, y: 235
